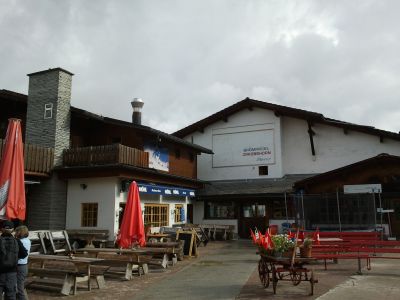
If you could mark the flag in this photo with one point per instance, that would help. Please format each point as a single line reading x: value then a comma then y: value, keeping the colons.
x: 316, y: 236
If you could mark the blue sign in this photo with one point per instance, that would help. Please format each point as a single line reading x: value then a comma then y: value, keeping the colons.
x: 164, y: 190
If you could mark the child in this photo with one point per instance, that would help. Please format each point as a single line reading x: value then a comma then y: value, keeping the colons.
x: 21, y: 233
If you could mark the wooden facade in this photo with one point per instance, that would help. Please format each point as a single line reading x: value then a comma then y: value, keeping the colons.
x: 104, y: 155
x: 37, y: 160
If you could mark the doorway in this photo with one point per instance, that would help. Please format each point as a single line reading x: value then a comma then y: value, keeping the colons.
x: 252, y: 216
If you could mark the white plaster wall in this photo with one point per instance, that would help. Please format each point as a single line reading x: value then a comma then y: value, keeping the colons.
x: 333, y: 148
x: 99, y: 190
x: 242, y: 118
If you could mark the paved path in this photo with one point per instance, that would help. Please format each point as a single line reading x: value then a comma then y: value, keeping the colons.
x: 382, y: 282
x: 218, y: 275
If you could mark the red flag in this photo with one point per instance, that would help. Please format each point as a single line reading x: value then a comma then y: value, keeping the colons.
x: 12, y: 182
x: 267, y: 240
x: 253, y: 236
x: 132, y: 228
x: 316, y: 236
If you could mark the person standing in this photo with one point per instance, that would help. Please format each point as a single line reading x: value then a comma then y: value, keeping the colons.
x: 22, y: 233
x: 11, y: 250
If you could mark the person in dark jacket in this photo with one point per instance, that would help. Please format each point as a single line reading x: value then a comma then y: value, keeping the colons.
x: 8, y: 276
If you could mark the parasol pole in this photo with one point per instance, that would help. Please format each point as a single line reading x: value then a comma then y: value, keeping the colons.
x: 338, y: 210
x: 287, y: 217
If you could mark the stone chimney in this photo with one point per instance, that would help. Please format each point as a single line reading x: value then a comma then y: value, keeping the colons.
x: 48, y: 113
x: 48, y: 124
x: 137, y: 105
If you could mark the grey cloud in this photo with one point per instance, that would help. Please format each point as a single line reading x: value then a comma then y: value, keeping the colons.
x: 188, y: 59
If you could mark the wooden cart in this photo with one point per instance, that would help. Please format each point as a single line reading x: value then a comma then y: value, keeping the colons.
x: 273, y: 269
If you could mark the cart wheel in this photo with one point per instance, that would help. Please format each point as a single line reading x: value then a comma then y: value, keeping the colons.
x: 295, y: 277
x: 274, y: 279
x: 263, y: 273
x: 312, y: 282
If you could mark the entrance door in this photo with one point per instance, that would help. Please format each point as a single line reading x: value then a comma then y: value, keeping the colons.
x: 189, y: 217
x: 252, y: 216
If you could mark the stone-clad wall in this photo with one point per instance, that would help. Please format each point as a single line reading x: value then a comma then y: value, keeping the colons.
x: 53, y: 86
x: 47, y: 201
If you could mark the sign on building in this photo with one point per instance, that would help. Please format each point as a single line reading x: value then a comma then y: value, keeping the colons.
x: 243, y: 146
x: 362, y: 188
x: 158, y: 157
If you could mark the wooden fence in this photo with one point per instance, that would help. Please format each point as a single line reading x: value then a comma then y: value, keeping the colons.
x: 37, y: 160
x: 107, y: 154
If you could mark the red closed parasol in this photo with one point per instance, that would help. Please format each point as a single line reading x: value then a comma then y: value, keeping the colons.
x: 12, y: 186
x: 132, y: 228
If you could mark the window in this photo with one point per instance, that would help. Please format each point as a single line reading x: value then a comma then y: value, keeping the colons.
x: 178, y: 213
x: 263, y: 170
x: 48, y: 111
x: 156, y: 215
x: 177, y: 153
x: 89, y: 214
x: 220, y: 210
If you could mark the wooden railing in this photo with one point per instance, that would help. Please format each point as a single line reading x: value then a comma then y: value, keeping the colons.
x: 37, y: 160
x: 103, y: 155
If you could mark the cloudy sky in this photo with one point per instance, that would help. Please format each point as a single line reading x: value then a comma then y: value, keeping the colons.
x: 189, y: 59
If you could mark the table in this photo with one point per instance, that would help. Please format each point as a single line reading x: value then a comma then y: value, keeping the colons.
x: 78, y: 270
x: 271, y: 268
x: 89, y: 237
x: 121, y: 257
x: 158, y: 236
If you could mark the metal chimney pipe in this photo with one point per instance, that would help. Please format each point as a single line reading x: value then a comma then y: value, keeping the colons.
x: 137, y: 105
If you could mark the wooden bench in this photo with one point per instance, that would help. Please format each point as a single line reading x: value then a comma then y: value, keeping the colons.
x: 70, y: 278
x: 212, y: 230
x: 70, y: 270
x: 351, y: 235
x: 357, y: 245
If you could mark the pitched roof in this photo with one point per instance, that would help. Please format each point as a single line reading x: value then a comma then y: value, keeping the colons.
x: 279, y: 110
x: 251, y: 186
x: 77, y: 112
x: 376, y: 161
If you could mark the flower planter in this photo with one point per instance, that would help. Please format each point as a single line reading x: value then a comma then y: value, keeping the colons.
x: 305, y: 252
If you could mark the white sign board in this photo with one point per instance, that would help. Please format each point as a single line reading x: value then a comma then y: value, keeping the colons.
x: 243, y: 146
x: 362, y: 188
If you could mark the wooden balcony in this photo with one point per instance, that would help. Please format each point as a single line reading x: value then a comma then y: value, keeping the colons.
x: 37, y: 160
x: 105, y: 155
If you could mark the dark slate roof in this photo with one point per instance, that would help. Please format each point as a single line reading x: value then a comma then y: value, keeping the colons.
x: 147, y: 129
x: 375, y: 161
x: 279, y: 110
x: 251, y: 186
x: 77, y: 112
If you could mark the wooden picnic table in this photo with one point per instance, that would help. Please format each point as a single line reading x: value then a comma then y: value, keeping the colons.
x: 88, y: 236
x: 72, y: 269
x: 158, y: 236
x: 115, y: 257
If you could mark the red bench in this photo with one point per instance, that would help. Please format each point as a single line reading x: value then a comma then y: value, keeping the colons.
x: 355, y: 245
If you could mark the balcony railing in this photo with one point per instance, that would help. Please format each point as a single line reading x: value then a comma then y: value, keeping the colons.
x: 37, y: 160
x: 104, y: 155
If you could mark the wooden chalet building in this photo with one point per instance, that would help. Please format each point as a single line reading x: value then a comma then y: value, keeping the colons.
x: 78, y: 165
x: 264, y: 153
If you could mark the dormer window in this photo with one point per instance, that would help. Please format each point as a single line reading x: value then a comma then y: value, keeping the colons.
x: 48, y: 111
